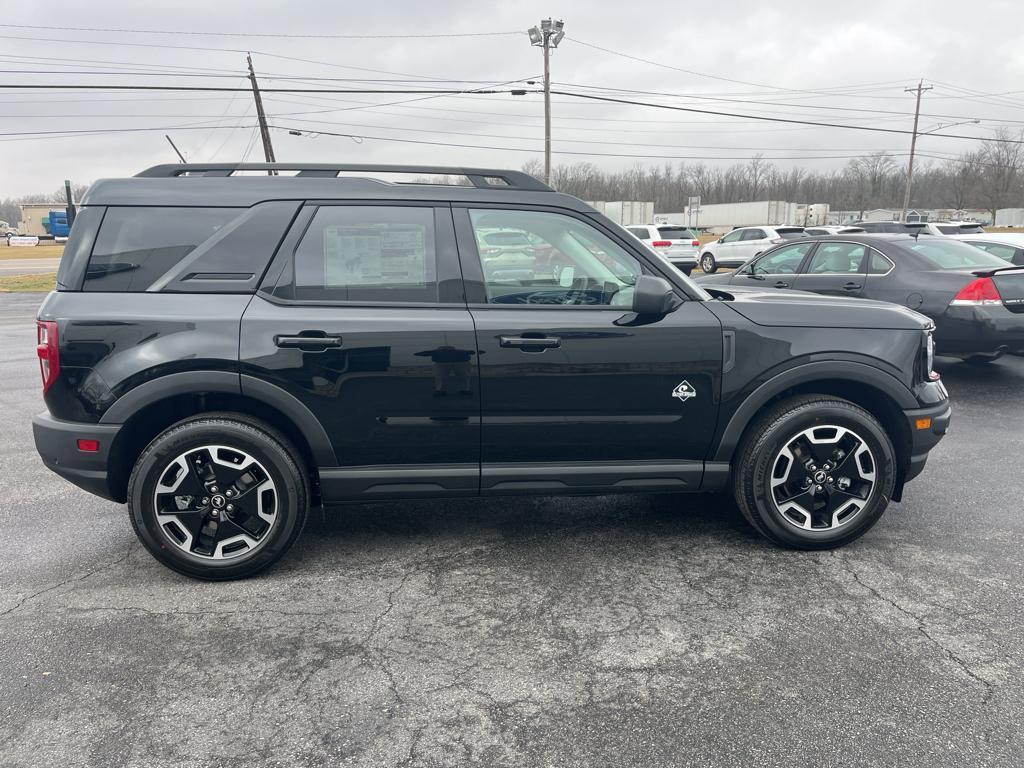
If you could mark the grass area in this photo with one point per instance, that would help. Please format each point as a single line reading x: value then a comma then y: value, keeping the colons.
x: 36, y: 252
x: 28, y: 283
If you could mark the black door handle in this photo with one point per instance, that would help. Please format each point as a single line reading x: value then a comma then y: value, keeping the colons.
x: 781, y: 284
x: 851, y: 287
x: 526, y: 342
x: 308, y: 340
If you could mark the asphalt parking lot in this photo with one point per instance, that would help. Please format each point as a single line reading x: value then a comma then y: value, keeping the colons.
x: 648, y: 631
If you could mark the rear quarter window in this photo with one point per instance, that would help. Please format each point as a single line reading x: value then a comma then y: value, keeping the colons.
x: 136, y: 246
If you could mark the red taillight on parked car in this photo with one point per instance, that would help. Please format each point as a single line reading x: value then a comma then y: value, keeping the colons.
x: 661, y: 243
x: 48, y: 351
x: 86, y: 445
x: 695, y: 243
x: 978, y: 292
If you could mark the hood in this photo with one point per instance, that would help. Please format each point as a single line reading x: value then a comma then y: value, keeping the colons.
x: 801, y: 309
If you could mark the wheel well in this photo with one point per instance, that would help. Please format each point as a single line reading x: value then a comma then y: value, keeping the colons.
x: 872, y: 400
x: 150, y: 421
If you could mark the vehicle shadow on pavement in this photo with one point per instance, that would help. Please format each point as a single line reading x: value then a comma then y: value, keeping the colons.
x: 629, y: 520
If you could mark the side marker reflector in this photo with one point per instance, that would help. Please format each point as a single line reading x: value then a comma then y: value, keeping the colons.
x: 923, y: 423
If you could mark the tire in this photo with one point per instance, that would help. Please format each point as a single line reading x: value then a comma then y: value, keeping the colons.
x: 686, y: 269
x: 844, y: 515
x: 257, y: 466
x: 708, y: 264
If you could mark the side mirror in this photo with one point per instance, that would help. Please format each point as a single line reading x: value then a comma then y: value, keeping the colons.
x: 654, y: 296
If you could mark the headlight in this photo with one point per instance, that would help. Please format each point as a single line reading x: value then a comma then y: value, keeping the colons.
x: 929, y: 356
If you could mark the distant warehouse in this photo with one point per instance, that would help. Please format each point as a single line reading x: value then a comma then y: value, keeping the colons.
x: 35, y: 218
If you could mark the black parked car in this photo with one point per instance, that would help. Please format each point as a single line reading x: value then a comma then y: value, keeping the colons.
x: 975, y: 298
x: 223, y: 351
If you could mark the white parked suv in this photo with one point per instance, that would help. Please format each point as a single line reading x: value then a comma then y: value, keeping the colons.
x: 677, y: 244
x: 742, y: 244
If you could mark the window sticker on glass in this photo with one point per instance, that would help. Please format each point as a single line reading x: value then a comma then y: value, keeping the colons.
x: 366, y: 256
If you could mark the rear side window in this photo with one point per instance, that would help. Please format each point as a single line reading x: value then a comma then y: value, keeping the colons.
x: 137, y: 246
x: 754, y: 234
x: 640, y: 232
x: 836, y: 259
x: 368, y: 253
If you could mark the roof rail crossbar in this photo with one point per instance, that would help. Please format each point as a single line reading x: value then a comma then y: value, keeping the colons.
x: 483, y: 178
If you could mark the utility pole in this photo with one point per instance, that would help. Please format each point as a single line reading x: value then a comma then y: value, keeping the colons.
x: 547, y: 36
x: 175, y: 148
x: 921, y: 88
x: 72, y: 211
x: 268, y: 148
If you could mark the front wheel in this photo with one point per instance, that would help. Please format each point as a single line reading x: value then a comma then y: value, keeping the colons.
x: 814, y: 472
x: 218, y: 497
x: 708, y: 264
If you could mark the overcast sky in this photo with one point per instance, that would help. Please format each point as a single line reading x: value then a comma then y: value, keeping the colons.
x: 800, y: 60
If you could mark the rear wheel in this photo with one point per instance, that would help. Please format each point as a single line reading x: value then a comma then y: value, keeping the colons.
x: 708, y: 264
x: 814, y: 472
x: 218, y: 497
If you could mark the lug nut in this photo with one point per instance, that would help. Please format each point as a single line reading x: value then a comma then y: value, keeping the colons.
x: 213, y: 489
x: 206, y: 500
x: 229, y: 492
x: 818, y: 489
x: 812, y: 468
x: 231, y: 507
x: 215, y: 513
x: 830, y: 480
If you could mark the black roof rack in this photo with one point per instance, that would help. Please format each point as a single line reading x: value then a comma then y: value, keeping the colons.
x: 482, y: 178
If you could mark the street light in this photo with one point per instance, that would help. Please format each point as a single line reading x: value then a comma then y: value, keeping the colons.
x: 913, y: 146
x: 943, y: 126
x: 547, y: 36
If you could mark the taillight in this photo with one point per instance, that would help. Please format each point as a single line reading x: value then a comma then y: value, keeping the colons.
x: 661, y: 243
x: 695, y: 243
x: 977, y: 293
x: 48, y: 351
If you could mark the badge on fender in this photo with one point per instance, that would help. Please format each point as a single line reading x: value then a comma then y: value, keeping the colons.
x: 684, y: 391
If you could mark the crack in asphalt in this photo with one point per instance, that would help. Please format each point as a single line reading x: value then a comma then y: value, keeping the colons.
x: 71, y: 580
x: 922, y: 628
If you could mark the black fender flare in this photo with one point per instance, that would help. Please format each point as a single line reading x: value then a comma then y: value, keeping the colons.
x: 846, y: 370
x: 190, y: 382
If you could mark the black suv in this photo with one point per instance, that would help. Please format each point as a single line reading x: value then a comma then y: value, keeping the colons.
x: 224, y: 350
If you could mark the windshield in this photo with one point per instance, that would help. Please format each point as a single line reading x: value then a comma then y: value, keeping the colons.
x: 676, y: 233
x: 506, y: 238
x: 790, y: 234
x: 950, y: 254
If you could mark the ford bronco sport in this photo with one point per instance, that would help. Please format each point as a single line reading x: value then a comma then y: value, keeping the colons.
x: 224, y: 350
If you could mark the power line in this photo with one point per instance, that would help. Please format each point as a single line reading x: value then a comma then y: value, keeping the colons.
x: 701, y: 97
x: 225, y: 89
x: 778, y: 119
x: 205, y: 33
x: 701, y: 74
x: 578, y: 141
